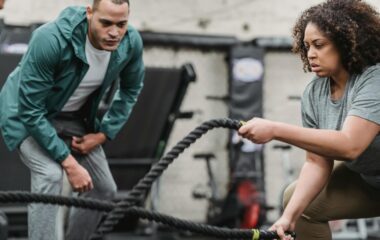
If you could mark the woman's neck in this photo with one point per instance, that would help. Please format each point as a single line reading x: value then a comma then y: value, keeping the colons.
x: 338, y: 84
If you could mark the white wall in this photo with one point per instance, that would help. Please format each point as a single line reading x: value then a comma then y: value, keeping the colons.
x: 245, y: 19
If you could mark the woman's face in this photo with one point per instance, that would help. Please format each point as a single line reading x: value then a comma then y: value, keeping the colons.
x: 322, y: 54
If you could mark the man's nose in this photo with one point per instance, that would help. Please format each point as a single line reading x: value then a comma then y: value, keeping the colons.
x: 113, y: 32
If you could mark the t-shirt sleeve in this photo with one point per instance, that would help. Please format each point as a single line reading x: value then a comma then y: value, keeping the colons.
x: 308, y: 111
x: 366, y: 97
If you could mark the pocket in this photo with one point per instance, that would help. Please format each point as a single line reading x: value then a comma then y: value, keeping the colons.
x: 67, y: 129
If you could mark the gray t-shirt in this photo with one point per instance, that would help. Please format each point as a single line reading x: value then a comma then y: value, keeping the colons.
x: 362, y: 99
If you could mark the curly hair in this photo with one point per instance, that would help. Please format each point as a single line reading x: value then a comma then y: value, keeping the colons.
x: 352, y: 25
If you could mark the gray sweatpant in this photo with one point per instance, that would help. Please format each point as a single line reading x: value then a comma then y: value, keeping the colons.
x: 346, y: 196
x: 46, y: 221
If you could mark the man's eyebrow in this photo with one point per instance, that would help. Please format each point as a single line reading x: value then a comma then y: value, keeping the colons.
x: 104, y: 20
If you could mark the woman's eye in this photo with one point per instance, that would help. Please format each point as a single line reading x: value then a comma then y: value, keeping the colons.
x: 319, y: 45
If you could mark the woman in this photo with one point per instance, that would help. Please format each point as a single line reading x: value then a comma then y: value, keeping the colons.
x: 338, y: 40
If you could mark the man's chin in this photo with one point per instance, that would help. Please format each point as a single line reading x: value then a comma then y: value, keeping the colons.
x: 109, y: 47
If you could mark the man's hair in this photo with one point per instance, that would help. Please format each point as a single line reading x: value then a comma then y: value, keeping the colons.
x: 352, y: 25
x: 95, y: 4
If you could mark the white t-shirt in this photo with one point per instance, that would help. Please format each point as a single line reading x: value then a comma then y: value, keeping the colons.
x: 98, y: 63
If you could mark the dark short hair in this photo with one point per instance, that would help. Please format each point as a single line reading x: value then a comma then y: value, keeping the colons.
x: 95, y: 3
x: 352, y: 25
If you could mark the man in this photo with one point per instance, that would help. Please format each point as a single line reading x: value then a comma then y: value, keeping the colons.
x: 48, y: 108
x: 2, y: 4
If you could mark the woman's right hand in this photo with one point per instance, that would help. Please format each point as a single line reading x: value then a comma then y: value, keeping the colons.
x: 281, y: 226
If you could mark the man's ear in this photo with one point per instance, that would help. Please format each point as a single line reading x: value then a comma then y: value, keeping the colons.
x: 89, y: 12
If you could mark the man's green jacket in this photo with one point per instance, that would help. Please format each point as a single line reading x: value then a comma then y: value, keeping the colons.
x: 50, y: 71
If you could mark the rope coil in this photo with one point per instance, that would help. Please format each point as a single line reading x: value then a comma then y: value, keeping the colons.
x: 118, y: 210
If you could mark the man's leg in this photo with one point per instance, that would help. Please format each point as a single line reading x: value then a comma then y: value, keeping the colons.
x: 345, y: 196
x: 46, y: 178
x: 82, y: 222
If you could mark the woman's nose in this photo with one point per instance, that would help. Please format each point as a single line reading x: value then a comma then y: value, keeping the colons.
x: 311, y: 53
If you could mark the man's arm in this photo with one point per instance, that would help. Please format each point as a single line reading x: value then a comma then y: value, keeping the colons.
x: 37, y: 80
x: 131, y: 83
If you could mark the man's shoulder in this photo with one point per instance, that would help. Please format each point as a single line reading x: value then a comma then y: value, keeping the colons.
x: 72, y: 11
x: 135, y: 37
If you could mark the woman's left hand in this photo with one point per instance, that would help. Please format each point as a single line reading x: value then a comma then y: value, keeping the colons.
x: 258, y: 130
x: 281, y: 226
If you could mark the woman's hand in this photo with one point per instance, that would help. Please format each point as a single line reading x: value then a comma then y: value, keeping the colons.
x: 281, y: 226
x: 258, y: 130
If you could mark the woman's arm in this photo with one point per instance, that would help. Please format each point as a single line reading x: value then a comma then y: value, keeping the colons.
x: 313, y: 177
x: 347, y: 144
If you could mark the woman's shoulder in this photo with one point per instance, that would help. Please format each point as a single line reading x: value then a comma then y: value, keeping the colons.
x: 370, y: 75
x: 373, y: 70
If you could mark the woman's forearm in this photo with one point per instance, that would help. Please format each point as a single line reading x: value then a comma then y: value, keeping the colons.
x: 345, y: 144
x: 313, y: 177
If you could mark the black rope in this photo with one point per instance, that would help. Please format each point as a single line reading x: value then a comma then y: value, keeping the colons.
x: 146, y: 182
x: 118, y: 210
x: 106, y: 206
x: 80, y: 202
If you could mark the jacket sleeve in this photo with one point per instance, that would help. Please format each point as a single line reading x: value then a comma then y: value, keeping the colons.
x: 131, y: 83
x: 37, y: 79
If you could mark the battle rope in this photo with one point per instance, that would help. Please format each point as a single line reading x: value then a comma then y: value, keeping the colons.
x: 146, y: 182
x: 99, y: 205
x: 118, y: 210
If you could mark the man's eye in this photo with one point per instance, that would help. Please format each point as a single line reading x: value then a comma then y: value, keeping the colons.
x: 106, y: 24
x: 121, y: 25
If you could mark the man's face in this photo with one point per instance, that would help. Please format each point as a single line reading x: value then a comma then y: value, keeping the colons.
x: 2, y: 4
x: 107, y: 24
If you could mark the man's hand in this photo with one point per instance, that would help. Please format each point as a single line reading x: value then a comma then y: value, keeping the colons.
x: 77, y: 175
x: 87, y: 143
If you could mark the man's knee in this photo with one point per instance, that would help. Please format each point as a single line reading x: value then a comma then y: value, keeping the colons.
x: 106, y: 189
